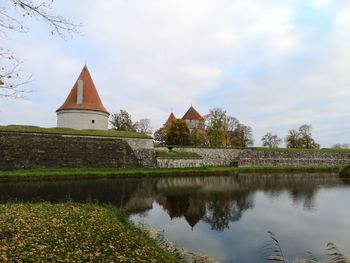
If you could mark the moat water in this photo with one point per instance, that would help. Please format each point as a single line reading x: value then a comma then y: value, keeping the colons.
x: 226, y: 217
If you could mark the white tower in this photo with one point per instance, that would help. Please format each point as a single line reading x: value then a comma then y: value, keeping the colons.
x: 83, y: 108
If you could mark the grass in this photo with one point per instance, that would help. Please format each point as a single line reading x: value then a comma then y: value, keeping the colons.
x: 50, y: 174
x: 72, y: 232
x: 67, y: 131
x: 176, y: 154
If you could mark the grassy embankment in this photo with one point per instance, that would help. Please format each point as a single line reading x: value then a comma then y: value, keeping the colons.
x: 72, y: 232
x: 39, y: 174
x: 66, y: 131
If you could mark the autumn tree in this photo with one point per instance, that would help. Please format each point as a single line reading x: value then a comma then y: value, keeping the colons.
x: 121, y: 121
x: 178, y: 133
x: 143, y: 126
x: 271, y: 140
x: 241, y: 136
x: 301, y: 138
x: 198, y: 136
x: 14, y: 20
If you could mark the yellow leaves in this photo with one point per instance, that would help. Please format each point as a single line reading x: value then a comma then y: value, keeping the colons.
x: 71, y: 233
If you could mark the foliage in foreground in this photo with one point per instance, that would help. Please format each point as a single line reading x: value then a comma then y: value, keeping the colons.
x: 36, y: 129
x: 275, y: 250
x: 72, y: 233
x: 345, y: 172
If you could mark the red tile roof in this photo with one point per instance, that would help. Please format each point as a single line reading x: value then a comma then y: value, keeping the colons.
x: 91, y: 99
x: 192, y: 114
x: 171, y: 118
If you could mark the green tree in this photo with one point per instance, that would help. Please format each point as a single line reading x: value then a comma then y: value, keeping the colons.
x: 178, y: 133
x: 122, y: 121
x: 216, y: 123
x: 271, y: 140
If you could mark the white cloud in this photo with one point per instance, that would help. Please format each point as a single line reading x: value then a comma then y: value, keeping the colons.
x: 256, y: 59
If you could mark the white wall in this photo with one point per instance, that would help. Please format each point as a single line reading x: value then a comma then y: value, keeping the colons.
x: 82, y: 119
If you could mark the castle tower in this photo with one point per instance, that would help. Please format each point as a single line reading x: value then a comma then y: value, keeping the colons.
x: 170, y: 119
x: 83, y: 108
x: 193, y: 118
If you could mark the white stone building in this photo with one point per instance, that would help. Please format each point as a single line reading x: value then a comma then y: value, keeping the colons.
x: 83, y: 108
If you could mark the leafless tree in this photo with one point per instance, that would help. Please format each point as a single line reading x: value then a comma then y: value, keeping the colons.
x: 13, y: 15
x: 144, y: 126
x: 341, y: 146
x: 271, y: 140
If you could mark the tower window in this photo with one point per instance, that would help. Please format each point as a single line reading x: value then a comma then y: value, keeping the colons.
x: 93, y: 121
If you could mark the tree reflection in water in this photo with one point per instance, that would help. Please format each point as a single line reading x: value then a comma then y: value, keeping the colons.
x: 214, y: 200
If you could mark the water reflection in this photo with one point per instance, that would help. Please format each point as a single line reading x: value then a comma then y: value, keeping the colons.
x: 217, y: 201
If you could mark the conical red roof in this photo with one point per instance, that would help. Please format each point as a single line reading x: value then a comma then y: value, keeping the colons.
x: 192, y: 114
x: 91, y: 99
x: 171, y: 118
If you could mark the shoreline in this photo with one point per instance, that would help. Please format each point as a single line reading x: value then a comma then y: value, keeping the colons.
x: 91, y: 173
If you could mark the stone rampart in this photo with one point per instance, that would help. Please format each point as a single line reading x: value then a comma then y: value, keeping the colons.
x: 260, y: 157
x: 165, y: 162
x: 34, y: 150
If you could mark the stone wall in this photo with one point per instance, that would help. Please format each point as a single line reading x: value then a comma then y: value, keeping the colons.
x: 164, y: 162
x: 143, y: 150
x: 31, y: 150
x: 256, y: 157
x: 211, y: 156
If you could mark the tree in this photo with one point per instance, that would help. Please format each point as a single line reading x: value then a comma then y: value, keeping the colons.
x: 143, y: 126
x: 160, y: 136
x: 216, y: 123
x: 122, y: 121
x: 271, y: 140
x: 198, y: 136
x: 301, y: 138
x: 341, y: 146
x: 241, y: 136
x: 178, y: 133
x: 11, y: 81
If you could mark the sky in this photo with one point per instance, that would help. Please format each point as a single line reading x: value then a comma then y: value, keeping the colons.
x: 273, y: 64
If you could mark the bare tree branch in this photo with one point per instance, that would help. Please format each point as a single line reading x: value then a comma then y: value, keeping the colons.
x: 11, y: 80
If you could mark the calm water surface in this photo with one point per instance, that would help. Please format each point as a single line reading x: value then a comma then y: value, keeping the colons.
x: 224, y: 217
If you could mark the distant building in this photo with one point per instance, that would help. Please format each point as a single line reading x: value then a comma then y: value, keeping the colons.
x: 83, y: 108
x: 170, y: 119
x: 191, y: 117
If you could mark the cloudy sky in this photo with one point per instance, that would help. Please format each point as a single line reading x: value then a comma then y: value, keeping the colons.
x: 273, y: 64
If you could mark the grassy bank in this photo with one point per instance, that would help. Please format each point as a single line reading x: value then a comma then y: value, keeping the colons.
x: 67, y: 131
x: 39, y: 174
x: 72, y: 233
